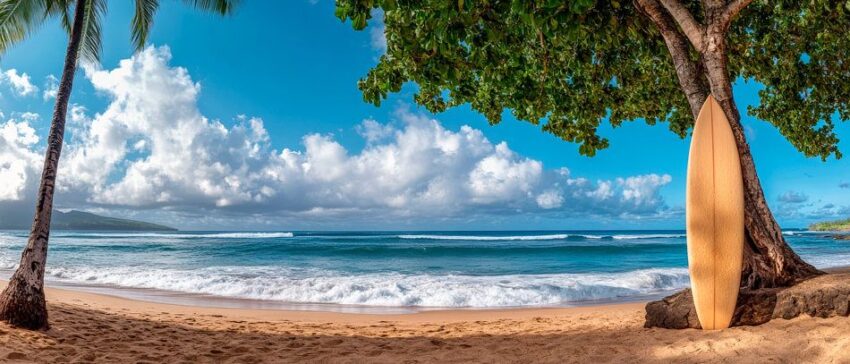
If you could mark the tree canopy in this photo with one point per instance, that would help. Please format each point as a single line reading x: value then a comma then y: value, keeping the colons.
x: 572, y: 65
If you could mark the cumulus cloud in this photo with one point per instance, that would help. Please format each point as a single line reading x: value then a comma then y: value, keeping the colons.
x: 373, y: 131
x: 793, y: 197
x: 18, y: 160
x: 550, y: 199
x: 797, y: 206
x: 829, y: 211
x: 811, y: 211
x: 152, y: 148
x: 19, y: 83
x: 51, y: 87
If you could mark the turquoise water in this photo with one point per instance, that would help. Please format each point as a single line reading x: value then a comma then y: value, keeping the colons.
x: 390, y: 269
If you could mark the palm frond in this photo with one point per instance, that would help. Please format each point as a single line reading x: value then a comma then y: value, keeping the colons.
x: 142, y: 22
x: 90, y: 43
x: 61, y: 8
x: 18, y: 18
x: 223, y: 7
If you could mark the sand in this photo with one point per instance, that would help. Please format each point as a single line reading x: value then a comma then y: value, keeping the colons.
x: 90, y: 327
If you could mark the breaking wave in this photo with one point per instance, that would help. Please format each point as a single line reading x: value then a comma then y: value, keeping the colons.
x: 391, y: 289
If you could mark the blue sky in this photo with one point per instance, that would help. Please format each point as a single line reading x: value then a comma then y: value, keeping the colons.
x: 294, y: 67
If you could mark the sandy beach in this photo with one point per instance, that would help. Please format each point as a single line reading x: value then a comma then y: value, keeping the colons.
x: 90, y: 327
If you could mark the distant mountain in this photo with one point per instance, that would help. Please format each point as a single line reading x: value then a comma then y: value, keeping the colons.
x: 79, y: 220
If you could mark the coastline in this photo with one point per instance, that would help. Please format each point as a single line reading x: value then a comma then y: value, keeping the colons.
x: 90, y: 327
x: 175, y: 298
x: 109, y: 303
x: 135, y: 296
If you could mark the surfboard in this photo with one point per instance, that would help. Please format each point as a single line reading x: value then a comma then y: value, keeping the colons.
x: 715, y: 217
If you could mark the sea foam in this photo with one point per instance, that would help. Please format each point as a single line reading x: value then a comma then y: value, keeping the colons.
x: 392, y: 289
x: 541, y: 237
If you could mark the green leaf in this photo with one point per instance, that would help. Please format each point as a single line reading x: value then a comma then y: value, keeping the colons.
x: 570, y: 66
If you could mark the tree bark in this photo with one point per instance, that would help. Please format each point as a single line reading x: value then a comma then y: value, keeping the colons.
x: 824, y: 296
x: 22, y: 303
x: 769, y: 263
x: 689, y: 72
x: 768, y: 260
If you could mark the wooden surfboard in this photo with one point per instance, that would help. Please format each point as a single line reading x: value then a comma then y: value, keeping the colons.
x: 715, y: 217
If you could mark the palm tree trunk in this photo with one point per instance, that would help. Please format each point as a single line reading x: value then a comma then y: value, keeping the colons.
x: 22, y: 303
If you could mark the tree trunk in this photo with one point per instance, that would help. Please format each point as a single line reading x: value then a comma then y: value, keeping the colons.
x: 769, y: 263
x: 768, y: 260
x: 22, y: 303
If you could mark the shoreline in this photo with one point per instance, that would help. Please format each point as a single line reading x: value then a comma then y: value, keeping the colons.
x: 203, y: 301
x: 175, y: 298
x: 258, y: 309
x: 89, y: 327
x: 559, y: 282
x: 108, y: 302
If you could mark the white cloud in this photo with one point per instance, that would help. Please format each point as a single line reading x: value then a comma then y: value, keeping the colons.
x: 18, y: 160
x: 377, y: 32
x: 550, y: 199
x: 793, y: 197
x: 20, y: 83
x: 798, y: 207
x: 604, y: 190
x: 51, y: 87
x: 373, y: 131
x: 153, y: 148
x: 643, y: 190
x: 503, y: 176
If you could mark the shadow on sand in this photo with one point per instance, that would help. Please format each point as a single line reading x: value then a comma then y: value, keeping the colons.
x: 81, y: 334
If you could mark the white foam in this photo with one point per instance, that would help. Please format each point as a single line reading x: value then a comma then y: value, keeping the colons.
x: 542, y: 237
x: 388, y: 289
x: 822, y: 261
x: 648, y: 236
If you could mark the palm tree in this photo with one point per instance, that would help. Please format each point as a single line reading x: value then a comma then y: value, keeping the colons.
x: 22, y: 303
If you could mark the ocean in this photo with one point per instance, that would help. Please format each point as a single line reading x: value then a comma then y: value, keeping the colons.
x: 382, y: 271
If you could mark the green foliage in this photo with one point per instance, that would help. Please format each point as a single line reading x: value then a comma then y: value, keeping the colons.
x: 18, y: 18
x: 90, y: 42
x: 800, y: 51
x: 541, y: 60
x: 145, y: 10
x: 574, y: 64
x: 142, y: 21
x: 839, y: 225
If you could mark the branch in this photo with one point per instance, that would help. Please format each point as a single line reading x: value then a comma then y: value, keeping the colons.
x: 731, y: 10
x: 690, y: 26
x: 688, y: 71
